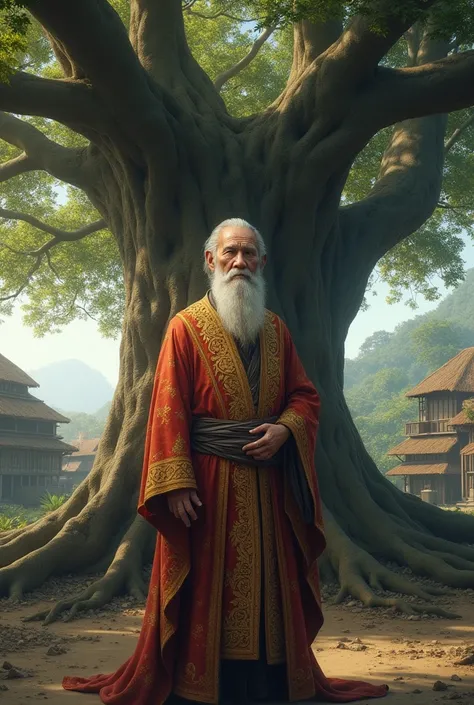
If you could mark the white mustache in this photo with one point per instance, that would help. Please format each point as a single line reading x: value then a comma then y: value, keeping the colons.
x: 238, y: 273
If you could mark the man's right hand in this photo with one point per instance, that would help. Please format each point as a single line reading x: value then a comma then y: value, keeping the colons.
x: 180, y: 503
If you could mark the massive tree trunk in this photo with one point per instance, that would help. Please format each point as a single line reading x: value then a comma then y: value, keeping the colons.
x: 166, y: 164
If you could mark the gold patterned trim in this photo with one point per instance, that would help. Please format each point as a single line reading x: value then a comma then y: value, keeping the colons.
x: 206, y: 688
x: 271, y: 363
x: 204, y: 358
x: 226, y: 363
x: 170, y: 474
x: 241, y: 625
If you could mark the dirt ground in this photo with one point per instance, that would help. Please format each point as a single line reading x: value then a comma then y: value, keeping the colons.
x: 409, y: 654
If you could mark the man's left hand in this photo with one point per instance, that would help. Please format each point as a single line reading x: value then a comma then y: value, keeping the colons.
x: 270, y: 443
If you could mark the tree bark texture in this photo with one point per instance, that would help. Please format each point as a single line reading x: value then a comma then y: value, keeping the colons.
x: 166, y: 163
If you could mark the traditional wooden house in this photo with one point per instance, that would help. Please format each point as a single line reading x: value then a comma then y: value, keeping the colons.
x: 463, y: 424
x: 30, y: 449
x: 431, y: 455
x: 78, y: 465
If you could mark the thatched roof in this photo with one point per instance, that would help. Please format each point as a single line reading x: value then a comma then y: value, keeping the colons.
x: 468, y: 450
x: 30, y: 408
x: 422, y: 446
x: 461, y: 419
x: 9, y: 372
x: 423, y: 469
x: 456, y: 375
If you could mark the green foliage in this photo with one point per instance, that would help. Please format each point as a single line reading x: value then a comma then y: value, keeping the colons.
x: 90, y: 425
x: 51, y: 502
x: 391, y: 363
x: 13, y: 516
x: 14, y: 23
x: 468, y: 407
x: 435, y: 342
x: 85, y: 278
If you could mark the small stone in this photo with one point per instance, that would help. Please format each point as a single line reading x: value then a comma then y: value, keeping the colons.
x: 3, y: 688
x: 399, y: 678
x: 417, y: 691
x: 414, y: 617
x: 439, y: 685
x: 15, y: 673
x: 359, y: 647
x: 455, y: 677
x: 56, y: 650
x: 357, y: 640
x: 341, y: 645
x: 352, y: 603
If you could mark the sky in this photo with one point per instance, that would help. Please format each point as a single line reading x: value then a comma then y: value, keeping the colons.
x: 81, y: 340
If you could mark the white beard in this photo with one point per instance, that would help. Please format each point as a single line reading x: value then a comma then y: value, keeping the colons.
x: 240, y: 303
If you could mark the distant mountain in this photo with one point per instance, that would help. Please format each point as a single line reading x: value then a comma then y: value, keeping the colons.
x: 72, y: 385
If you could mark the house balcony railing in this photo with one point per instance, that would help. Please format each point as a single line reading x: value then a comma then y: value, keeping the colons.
x: 420, y: 428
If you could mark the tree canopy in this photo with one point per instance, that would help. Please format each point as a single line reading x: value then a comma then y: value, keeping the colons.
x: 246, y: 49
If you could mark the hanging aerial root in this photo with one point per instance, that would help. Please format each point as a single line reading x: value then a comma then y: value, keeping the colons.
x: 124, y: 575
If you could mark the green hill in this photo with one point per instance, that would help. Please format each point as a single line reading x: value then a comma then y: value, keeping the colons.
x: 389, y: 364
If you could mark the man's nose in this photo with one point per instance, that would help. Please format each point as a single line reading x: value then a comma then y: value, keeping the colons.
x: 239, y: 261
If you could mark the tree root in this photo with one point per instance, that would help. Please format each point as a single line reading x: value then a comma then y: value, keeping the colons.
x: 20, y: 542
x: 362, y: 576
x: 123, y: 575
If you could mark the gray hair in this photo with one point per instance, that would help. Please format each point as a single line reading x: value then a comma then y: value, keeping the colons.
x: 211, y: 243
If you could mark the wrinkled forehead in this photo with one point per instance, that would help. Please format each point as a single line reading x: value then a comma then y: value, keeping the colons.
x: 237, y: 238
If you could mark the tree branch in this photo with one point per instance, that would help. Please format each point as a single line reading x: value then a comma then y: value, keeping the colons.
x: 59, y: 235
x: 409, y: 183
x: 225, y: 76
x: 19, y: 165
x: 441, y: 86
x: 355, y: 56
x: 40, y: 152
x: 42, y: 252
x: 157, y: 34
x: 449, y: 144
x: 311, y: 39
x: 66, y: 101
x: 95, y: 39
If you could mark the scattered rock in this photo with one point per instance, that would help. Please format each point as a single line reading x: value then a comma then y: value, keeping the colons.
x: 3, y: 688
x: 414, y: 617
x: 341, y: 645
x: 455, y: 677
x: 417, y: 691
x: 466, y: 661
x: 399, y: 678
x: 56, y: 650
x: 439, y: 685
x: 358, y: 647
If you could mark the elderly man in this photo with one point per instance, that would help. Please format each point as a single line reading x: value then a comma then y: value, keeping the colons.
x: 229, y: 483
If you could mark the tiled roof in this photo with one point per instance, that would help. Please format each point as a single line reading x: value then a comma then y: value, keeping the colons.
x: 456, y: 375
x: 86, y: 446
x: 34, y: 442
x: 422, y: 446
x: 9, y: 372
x: 30, y: 408
x: 424, y: 469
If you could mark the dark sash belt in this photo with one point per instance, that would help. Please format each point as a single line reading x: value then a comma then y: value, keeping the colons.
x: 226, y: 439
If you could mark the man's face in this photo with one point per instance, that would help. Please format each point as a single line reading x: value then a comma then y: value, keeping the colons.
x: 237, y: 253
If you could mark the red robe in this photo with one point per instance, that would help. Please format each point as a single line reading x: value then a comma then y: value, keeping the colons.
x: 206, y: 584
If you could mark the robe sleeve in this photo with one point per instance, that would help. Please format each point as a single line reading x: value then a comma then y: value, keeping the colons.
x: 167, y: 463
x: 301, y: 413
x: 301, y: 417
